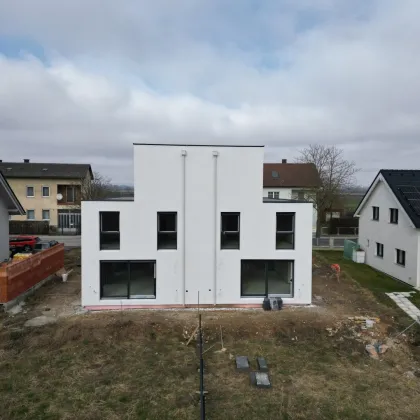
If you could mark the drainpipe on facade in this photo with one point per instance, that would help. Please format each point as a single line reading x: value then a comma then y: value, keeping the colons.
x: 215, y: 156
x: 184, y: 157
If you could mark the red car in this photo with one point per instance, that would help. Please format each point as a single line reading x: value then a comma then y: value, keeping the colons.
x: 23, y: 243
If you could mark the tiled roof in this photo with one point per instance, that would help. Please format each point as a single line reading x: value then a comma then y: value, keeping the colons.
x: 45, y: 170
x: 299, y: 175
x: 405, y: 184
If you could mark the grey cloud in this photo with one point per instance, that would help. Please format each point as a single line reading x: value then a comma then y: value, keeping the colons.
x: 173, y: 72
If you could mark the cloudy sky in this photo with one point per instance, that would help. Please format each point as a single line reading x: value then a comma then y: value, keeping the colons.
x: 81, y: 80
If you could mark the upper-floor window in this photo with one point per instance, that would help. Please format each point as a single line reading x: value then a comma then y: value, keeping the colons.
x: 230, y: 231
x: 30, y: 191
x: 45, y: 191
x: 71, y: 196
x: 167, y: 230
x: 375, y: 213
x: 285, y: 230
x: 109, y: 229
x: 273, y: 194
x: 393, y: 216
x: 298, y: 195
x: 400, y: 257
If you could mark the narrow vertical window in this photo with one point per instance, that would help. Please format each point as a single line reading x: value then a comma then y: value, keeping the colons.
x: 167, y: 230
x: 230, y: 234
x: 375, y: 213
x: 109, y: 230
x: 285, y: 230
x: 400, y: 257
x: 393, y: 216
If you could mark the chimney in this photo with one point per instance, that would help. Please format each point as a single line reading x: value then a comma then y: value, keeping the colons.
x: 26, y: 160
x: 284, y: 161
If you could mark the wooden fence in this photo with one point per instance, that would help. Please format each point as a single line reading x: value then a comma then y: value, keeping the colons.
x: 19, y: 276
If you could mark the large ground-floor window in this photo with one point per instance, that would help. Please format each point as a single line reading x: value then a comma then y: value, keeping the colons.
x: 267, y: 277
x: 128, y: 279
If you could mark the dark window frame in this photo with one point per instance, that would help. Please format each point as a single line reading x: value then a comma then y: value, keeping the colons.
x: 162, y: 234
x: 109, y: 233
x: 128, y: 262
x: 379, y: 250
x: 400, y: 257
x: 393, y: 216
x: 286, y: 232
x: 266, y: 261
x: 375, y: 213
x: 222, y: 232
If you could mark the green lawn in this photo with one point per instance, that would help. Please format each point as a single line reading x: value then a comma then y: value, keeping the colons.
x: 377, y: 282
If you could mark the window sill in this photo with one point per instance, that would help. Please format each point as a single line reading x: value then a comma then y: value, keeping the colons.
x: 393, y: 223
x: 400, y: 265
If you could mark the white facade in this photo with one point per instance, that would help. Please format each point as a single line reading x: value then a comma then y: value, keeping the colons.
x: 292, y: 194
x: 198, y: 183
x: 403, y: 236
x: 4, y: 231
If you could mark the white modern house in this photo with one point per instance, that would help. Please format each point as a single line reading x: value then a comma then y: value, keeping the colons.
x: 292, y: 181
x: 9, y: 205
x: 197, y: 228
x: 389, y: 224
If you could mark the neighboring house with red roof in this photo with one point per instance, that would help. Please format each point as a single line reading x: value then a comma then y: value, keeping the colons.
x: 291, y: 181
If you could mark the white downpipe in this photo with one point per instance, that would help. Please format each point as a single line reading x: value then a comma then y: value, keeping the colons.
x: 184, y: 198
x: 215, y: 156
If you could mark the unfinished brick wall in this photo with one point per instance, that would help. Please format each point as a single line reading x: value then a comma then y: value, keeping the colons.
x: 17, y: 277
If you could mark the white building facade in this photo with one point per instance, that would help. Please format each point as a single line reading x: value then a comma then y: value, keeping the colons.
x: 9, y: 205
x: 196, y: 231
x: 389, y: 221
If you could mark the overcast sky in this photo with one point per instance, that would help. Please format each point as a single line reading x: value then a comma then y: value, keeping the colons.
x: 81, y: 80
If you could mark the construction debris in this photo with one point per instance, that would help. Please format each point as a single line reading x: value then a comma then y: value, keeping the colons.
x: 376, y: 349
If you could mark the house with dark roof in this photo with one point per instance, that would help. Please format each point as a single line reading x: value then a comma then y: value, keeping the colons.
x: 389, y: 224
x: 9, y: 205
x: 48, y: 191
x: 291, y: 181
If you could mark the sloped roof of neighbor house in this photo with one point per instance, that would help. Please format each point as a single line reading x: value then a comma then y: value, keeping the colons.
x: 45, y: 170
x: 8, y: 196
x: 299, y: 175
x: 405, y: 185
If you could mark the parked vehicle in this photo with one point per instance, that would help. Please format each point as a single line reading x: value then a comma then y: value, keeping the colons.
x: 23, y: 243
x: 42, y: 245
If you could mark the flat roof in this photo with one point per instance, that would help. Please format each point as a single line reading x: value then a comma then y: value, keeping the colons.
x: 197, y: 145
x: 283, y: 200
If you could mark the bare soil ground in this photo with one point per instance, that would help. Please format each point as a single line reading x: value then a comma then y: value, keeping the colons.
x: 136, y: 365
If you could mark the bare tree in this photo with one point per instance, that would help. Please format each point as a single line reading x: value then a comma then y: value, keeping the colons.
x: 96, y: 188
x: 336, y: 174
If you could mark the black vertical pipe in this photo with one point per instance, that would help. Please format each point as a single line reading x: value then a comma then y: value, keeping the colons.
x: 202, y: 397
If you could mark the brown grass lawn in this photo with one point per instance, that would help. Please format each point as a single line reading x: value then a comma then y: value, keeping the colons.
x: 135, y: 365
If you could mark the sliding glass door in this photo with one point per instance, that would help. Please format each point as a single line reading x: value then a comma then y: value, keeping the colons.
x: 267, y: 278
x: 128, y: 279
